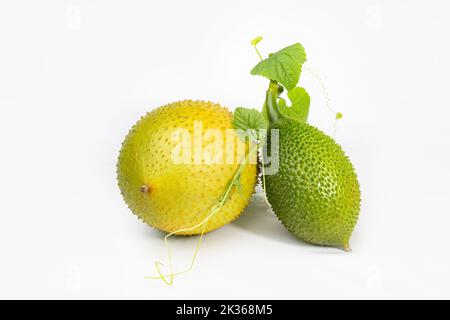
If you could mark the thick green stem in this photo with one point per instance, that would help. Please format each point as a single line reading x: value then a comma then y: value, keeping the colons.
x: 271, y: 102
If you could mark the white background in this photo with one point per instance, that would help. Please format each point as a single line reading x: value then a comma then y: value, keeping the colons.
x: 76, y: 75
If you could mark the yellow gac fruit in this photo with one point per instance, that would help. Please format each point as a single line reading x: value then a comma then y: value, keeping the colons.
x: 177, y: 162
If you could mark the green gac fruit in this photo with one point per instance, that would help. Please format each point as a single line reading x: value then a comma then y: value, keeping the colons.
x: 315, y: 192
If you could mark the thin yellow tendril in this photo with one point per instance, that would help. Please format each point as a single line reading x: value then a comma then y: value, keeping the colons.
x: 222, y: 200
x: 254, y: 44
x: 337, y: 115
x: 264, y: 181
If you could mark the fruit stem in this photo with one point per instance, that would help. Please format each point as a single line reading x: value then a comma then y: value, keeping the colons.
x: 273, y: 114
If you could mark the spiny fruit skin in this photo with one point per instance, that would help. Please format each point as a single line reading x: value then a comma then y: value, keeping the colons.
x: 171, y: 196
x: 315, y: 193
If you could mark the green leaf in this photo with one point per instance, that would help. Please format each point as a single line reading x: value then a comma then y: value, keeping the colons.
x: 282, y: 104
x: 300, y: 101
x: 248, y: 123
x: 283, y: 66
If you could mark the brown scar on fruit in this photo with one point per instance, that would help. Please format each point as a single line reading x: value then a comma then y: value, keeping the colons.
x: 145, y: 188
